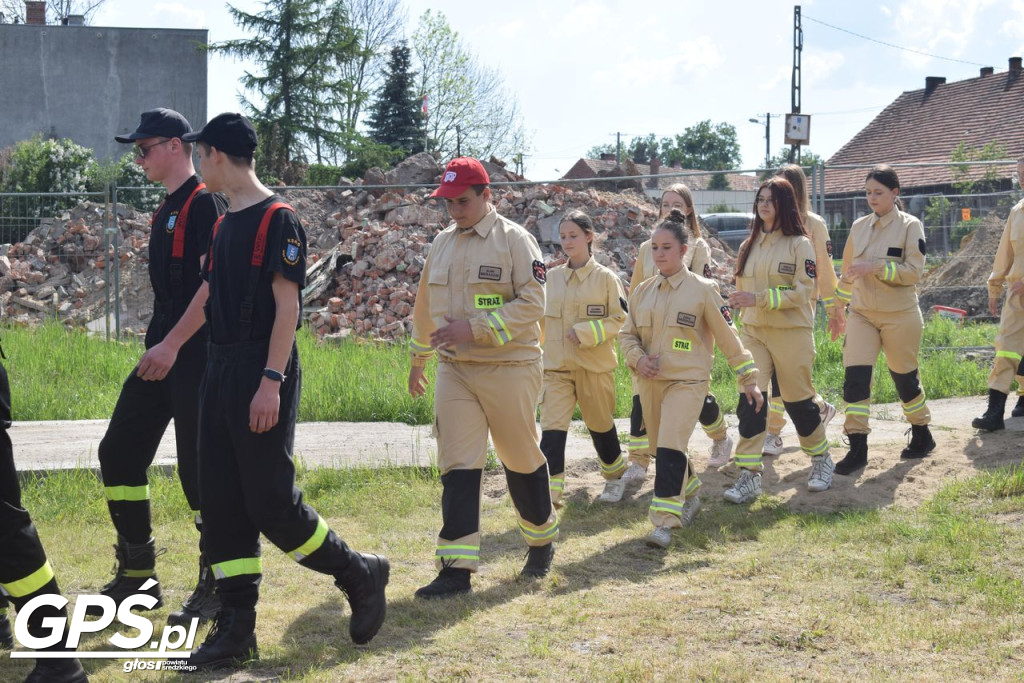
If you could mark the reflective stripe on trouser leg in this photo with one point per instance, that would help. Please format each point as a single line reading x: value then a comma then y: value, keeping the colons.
x: 912, y: 398
x: 674, y: 476
x: 638, y: 445
x: 1009, y: 345
x: 857, y: 395
x: 241, y: 566
x: 776, y: 409
x: 609, y: 452
x: 532, y: 500
x: 556, y: 484
x: 711, y: 419
x: 807, y: 420
x: 672, y: 409
x: 29, y: 584
x: 552, y: 445
x: 458, y: 544
x: 751, y: 431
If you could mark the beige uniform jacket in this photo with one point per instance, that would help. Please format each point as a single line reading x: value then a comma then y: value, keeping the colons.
x: 697, y: 259
x: 781, y: 272
x: 827, y: 280
x: 590, y: 301
x: 680, y: 318
x: 895, y: 244
x: 1008, y: 266
x: 491, y: 275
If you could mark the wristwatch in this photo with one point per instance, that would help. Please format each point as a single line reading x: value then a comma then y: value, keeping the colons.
x: 270, y: 373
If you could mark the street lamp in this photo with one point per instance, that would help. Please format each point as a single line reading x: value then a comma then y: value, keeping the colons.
x: 767, y: 138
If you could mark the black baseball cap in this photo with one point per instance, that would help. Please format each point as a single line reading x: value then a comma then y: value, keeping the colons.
x: 230, y: 133
x: 158, y: 123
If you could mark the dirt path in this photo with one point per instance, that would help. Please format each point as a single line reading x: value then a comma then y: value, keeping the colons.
x: 886, y: 481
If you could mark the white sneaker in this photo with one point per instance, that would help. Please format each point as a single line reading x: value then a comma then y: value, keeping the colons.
x: 821, y: 473
x: 827, y: 412
x: 772, y: 444
x: 746, y: 488
x: 690, y: 509
x: 613, y: 490
x: 634, y: 473
x: 721, y: 451
x: 661, y: 537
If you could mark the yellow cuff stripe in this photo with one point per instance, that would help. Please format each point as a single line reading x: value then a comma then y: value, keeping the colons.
x: 1008, y: 354
x: 670, y: 505
x: 31, y: 583
x: 314, y: 542
x: 126, y: 493
x: 499, y: 329
x: 458, y: 552
x: 239, y: 567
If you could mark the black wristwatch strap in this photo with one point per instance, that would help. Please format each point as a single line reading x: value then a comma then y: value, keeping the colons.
x: 273, y: 374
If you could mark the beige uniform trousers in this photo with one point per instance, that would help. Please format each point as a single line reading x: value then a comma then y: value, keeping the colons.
x: 594, y: 392
x: 898, y: 333
x: 472, y: 399
x: 1009, y: 347
x: 670, y: 413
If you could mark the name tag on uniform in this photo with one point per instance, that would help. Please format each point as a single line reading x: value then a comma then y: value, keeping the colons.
x: 488, y: 300
x: 681, y: 344
x: 596, y: 310
x: 686, y: 319
x: 489, y: 273
x: 787, y: 268
x: 895, y: 251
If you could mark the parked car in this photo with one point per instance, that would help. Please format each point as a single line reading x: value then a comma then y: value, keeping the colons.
x: 730, y: 228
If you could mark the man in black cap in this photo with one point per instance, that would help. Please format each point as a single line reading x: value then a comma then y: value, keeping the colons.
x: 165, y: 383
x: 249, y: 405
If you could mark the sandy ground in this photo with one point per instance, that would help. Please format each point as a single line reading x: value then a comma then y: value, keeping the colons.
x: 886, y: 480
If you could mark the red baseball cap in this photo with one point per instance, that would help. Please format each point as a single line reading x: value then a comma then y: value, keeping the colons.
x: 459, y: 175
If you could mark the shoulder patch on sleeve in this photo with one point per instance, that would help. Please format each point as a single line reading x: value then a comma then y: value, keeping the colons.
x: 726, y: 314
x: 622, y: 302
x: 922, y: 246
x: 540, y: 272
x: 811, y: 267
x: 707, y: 270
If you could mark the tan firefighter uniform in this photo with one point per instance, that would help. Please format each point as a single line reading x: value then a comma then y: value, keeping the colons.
x: 491, y: 275
x: 884, y: 314
x: 591, y: 302
x: 679, y: 318
x: 827, y: 281
x: 1007, y: 268
x: 778, y: 331
x: 697, y: 259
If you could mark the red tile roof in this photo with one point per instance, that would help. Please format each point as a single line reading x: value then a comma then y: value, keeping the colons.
x: 923, y: 126
x: 593, y: 168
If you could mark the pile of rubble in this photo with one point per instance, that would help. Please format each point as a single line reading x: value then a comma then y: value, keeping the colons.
x: 960, y: 281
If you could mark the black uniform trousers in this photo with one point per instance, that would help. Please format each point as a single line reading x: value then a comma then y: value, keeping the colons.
x: 143, y: 411
x: 247, y: 480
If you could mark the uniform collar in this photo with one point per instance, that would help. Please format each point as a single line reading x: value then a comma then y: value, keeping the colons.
x: 484, y: 225
x: 583, y: 271
x: 886, y: 220
x: 186, y: 188
x: 675, y: 280
x: 770, y: 237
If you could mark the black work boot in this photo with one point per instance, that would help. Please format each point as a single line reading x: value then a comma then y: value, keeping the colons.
x: 856, y: 457
x: 6, y: 632
x: 230, y: 642
x: 136, y: 564
x: 203, y: 604
x: 992, y: 420
x: 1018, y: 410
x: 450, y: 582
x: 538, y: 561
x: 363, y: 583
x: 57, y: 671
x: 921, y: 443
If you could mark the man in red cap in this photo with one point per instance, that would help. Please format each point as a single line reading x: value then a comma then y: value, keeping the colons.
x: 479, y: 304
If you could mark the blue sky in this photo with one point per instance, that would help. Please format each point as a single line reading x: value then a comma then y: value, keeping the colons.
x: 584, y: 69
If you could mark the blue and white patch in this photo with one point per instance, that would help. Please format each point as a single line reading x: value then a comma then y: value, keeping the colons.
x: 171, y: 221
x: 291, y: 253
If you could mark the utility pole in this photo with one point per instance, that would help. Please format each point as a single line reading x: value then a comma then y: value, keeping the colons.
x: 798, y: 46
x: 618, y: 148
x: 458, y: 140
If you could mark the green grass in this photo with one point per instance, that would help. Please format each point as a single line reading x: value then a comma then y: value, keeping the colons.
x: 66, y: 375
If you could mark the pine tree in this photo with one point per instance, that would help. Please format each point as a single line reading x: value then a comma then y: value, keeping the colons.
x: 395, y: 118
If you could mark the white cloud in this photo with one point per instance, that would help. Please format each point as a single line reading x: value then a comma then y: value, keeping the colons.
x: 178, y: 15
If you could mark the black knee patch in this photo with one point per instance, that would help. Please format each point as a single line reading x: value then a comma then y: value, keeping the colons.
x: 776, y: 391
x: 460, y: 503
x: 669, y: 470
x: 751, y: 423
x: 805, y: 415
x: 857, y: 384
x: 530, y: 494
x: 636, y: 419
x: 907, y: 385
x: 606, y: 444
x: 552, y: 445
x: 710, y: 412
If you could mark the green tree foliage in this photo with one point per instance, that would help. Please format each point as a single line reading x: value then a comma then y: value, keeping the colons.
x: 298, y: 46
x: 45, y: 165
x: 966, y: 179
x: 705, y: 146
x: 396, y: 118
x: 808, y: 159
x: 469, y: 108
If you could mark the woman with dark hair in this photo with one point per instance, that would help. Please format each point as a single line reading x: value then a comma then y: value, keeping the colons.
x: 882, y: 262
x: 775, y: 278
x: 668, y: 340
x: 697, y: 259
x: 826, y: 289
x: 585, y: 309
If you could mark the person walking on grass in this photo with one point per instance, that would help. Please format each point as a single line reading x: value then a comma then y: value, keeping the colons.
x: 882, y: 263
x: 697, y: 260
x: 249, y: 403
x: 584, y: 311
x: 478, y: 307
x: 1008, y: 270
x: 775, y: 284
x: 165, y: 383
x: 674, y: 321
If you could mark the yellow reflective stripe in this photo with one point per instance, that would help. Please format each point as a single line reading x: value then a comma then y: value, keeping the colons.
x: 669, y: 505
x: 314, y: 541
x: 818, y: 449
x: 556, y: 483
x: 914, y: 406
x: 239, y: 567
x: 776, y: 405
x: 843, y: 295
x: 1008, y: 354
x: 714, y: 426
x: 599, y: 334
x: 499, y: 329
x: 138, y: 573
x: 458, y: 552
x: 858, y: 409
x: 692, y: 486
x: 747, y: 459
x: 890, y: 271
x: 31, y: 583
x: 418, y: 348
x: 126, y: 493
x: 618, y: 466
x: 743, y: 368
x: 639, y: 443
x: 543, y: 534
x: 828, y: 301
